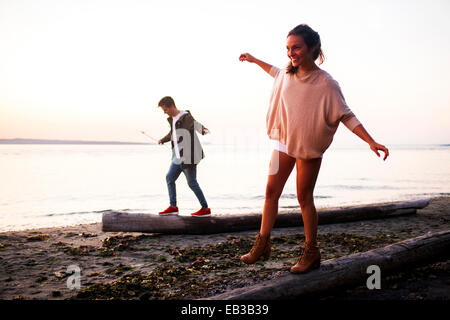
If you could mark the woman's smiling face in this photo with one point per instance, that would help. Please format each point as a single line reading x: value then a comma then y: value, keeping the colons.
x: 297, y: 50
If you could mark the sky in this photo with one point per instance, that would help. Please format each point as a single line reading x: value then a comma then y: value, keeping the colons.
x: 96, y: 69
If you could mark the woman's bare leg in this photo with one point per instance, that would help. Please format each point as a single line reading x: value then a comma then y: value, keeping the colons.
x: 307, y: 172
x: 275, y: 184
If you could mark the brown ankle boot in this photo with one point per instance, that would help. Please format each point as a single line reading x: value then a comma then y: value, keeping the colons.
x: 261, y: 248
x: 309, y: 260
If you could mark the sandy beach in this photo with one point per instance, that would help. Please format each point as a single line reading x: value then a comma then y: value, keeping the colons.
x: 34, y: 263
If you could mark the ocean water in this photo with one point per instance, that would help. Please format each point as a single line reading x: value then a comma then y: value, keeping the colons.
x: 56, y: 185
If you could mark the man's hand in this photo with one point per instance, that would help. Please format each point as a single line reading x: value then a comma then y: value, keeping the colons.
x: 205, y: 131
x: 160, y: 142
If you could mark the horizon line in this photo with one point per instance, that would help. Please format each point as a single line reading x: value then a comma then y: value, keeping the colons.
x: 70, y: 141
x: 64, y: 141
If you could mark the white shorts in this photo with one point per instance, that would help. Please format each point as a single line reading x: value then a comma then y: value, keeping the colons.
x: 277, y: 145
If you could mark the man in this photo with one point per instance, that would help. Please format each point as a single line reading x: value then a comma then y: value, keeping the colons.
x: 186, y: 154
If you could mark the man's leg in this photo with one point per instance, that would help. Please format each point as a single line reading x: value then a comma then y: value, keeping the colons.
x: 191, y: 177
x: 171, y: 177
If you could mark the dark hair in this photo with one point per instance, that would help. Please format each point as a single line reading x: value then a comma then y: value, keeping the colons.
x: 166, y: 102
x: 312, y: 40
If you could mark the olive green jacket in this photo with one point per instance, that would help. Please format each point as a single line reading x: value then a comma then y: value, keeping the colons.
x: 191, y: 151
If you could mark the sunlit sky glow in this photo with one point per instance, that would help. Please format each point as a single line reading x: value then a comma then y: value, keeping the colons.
x: 96, y: 69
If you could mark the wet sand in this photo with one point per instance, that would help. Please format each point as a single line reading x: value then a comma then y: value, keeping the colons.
x: 115, y: 265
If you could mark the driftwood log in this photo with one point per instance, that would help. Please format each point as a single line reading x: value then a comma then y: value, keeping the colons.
x: 152, y: 223
x: 348, y: 271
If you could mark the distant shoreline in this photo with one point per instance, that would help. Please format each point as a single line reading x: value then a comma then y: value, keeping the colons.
x: 43, y: 141
x: 85, y: 142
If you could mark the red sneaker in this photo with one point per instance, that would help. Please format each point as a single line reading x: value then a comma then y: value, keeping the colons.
x: 203, y: 212
x: 169, y: 211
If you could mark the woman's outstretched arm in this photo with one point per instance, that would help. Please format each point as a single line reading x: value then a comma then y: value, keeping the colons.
x: 249, y: 58
x: 361, y: 132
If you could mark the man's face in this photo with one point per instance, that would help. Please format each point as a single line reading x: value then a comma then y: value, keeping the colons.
x: 168, y: 110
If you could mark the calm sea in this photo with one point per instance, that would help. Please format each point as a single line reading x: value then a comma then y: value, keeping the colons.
x: 57, y: 185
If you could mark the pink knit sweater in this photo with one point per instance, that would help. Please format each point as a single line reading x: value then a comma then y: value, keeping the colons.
x: 305, y: 113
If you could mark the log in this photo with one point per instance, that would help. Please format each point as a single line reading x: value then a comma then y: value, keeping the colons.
x: 347, y: 271
x: 115, y: 221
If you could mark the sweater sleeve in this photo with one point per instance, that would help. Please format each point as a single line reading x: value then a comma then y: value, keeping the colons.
x: 274, y: 71
x: 343, y: 112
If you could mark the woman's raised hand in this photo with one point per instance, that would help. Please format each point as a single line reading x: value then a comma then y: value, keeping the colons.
x: 247, y: 57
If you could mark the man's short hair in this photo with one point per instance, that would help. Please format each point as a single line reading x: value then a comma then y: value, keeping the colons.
x: 166, y: 102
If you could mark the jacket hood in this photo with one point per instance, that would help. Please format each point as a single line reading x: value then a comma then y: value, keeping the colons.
x: 187, y: 112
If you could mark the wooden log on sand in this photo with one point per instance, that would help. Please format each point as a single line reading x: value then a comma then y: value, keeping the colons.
x: 151, y: 223
x: 347, y: 271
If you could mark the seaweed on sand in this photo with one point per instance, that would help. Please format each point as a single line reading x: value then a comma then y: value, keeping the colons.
x: 194, y: 272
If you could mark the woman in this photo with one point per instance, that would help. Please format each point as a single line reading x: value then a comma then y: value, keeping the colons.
x: 305, y: 110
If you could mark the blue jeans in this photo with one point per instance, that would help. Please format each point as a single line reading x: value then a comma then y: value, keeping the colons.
x: 191, y: 177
